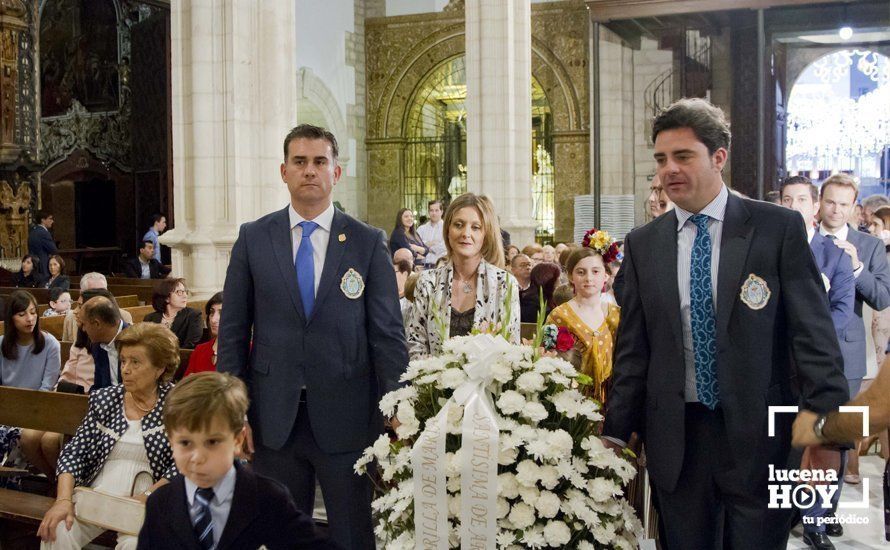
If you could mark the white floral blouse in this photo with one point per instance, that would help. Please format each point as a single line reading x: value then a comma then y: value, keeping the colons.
x: 431, y: 315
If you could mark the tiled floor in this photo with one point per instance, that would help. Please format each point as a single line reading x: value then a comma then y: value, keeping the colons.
x: 858, y: 537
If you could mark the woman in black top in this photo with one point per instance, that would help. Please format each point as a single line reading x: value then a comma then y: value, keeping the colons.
x: 404, y: 235
x: 57, y: 277
x: 170, y: 301
x: 28, y: 277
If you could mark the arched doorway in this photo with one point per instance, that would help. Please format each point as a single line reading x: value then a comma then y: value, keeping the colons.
x: 436, y: 145
x: 839, y: 119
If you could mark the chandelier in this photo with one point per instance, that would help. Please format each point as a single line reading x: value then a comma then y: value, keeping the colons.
x: 836, y: 66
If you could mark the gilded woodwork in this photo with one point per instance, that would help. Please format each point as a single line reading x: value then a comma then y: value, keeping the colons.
x: 14, y: 207
x: 401, y: 51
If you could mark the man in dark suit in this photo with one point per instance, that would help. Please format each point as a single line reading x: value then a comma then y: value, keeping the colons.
x: 145, y: 266
x: 317, y: 290
x: 719, y: 294
x: 41, y: 243
x: 799, y: 193
x: 101, y: 321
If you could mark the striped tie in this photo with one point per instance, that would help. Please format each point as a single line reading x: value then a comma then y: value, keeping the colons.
x: 203, y: 521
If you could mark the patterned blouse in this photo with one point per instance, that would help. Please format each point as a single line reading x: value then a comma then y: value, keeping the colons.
x: 431, y: 315
x: 85, y: 455
x: 597, y: 346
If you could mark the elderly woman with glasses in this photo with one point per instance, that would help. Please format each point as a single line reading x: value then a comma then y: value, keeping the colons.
x: 170, y: 302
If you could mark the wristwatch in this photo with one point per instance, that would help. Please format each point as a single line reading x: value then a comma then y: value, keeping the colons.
x: 817, y: 427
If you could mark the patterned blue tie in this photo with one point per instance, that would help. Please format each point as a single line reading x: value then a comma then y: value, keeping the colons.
x: 305, y: 266
x: 701, y: 305
x: 203, y: 521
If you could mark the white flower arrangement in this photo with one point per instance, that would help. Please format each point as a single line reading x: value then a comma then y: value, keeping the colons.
x: 554, y: 483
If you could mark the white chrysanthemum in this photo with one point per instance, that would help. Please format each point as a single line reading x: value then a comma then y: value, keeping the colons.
x: 527, y: 473
x: 549, y: 476
x: 508, y: 487
x: 604, y: 532
x: 454, y: 506
x: 547, y: 504
x: 602, y: 489
x: 534, y: 538
x: 584, y: 545
x: 452, y: 378
x: 530, y: 382
x: 525, y: 433
x: 505, y: 538
x: 567, y: 402
x: 534, y: 411
x: 501, y: 372
x: 560, y: 379
x: 521, y: 515
x: 381, y: 447
x: 560, y: 444
x: 529, y: 495
x: 557, y: 534
x: 452, y: 484
x: 511, y: 402
x: 538, y: 447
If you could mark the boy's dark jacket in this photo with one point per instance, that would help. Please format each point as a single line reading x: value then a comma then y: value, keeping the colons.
x: 262, y: 513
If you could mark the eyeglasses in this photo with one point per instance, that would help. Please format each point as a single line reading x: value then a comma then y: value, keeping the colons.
x: 181, y: 292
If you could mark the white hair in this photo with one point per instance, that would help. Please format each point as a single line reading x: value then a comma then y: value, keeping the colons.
x: 93, y: 280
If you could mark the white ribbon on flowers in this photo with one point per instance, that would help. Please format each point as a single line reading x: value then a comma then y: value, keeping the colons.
x: 479, y: 460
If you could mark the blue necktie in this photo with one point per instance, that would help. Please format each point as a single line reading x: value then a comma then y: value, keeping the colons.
x: 701, y: 305
x: 203, y: 521
x: 305, y: 266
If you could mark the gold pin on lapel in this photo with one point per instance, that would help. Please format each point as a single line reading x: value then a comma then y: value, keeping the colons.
x: 342, y: 237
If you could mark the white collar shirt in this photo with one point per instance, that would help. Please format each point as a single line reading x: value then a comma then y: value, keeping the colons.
x: 111, y: 350
x: 319, y: 237
x: 220, y: 504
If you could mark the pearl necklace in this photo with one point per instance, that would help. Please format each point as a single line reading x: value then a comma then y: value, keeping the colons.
x: 138, y: 406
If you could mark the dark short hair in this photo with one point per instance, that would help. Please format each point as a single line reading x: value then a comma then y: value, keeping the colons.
x: 705, y: 120
x: 17, y: 302
x: 309, y: 131
x: 55, y: 293
x: 216, y: 299
x: 143, y: 242
x: 800, y: 180
x: 41, y: 215
x: 156, y: 217
x: 59, y: 259
x: 432, y: 202
x: 34, y: 260
x: 102, y: 309
x: 162, y: 291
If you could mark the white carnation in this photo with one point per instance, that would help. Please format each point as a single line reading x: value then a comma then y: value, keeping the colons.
x: 534, y: 538
x: 557, y: 534
x: 511, y: 402
x: 547, y: 504
x: 534, y: 411
x: 454, y: 506
x: 508, y: 487
x: 503, y: 509
x: 507, y: 456
x: 530, y: 382
x: 522, y: 515
x: 452, y: 378
x: 529, y: 495
x: 501, y: 372
x: 560, y: 444
x: 381, y: 447
x: 527, y: 473
x: 602, y: 489
x: 549, y: 476
x: 568, y: 402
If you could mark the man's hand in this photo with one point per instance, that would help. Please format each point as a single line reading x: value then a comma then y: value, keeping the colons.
x: 850, y: 249
x: 802, y: 433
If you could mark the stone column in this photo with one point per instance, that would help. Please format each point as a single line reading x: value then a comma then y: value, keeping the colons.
x: 234, y: 86
x: 499, y: 131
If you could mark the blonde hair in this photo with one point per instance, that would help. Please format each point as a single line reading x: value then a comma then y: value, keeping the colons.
x: 198, y: 399
x: 492, y: 246
x: 161, y: 345
x: 842, y: 180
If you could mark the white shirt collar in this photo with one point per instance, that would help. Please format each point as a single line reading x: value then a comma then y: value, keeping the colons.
x: 841, y: 233
x: 715, y: 209
x: 222, y: 491
x: 110, y: 345
x: 811, y: 232
x: 324, y: 220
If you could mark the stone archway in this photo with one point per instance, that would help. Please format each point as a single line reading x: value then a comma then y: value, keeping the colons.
x: 403, y: 50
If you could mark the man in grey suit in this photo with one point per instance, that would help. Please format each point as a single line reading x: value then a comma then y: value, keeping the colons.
x: 720, y: 294
x: 317, y: 291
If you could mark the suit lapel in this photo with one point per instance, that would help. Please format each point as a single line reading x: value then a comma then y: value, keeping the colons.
x: 332, y: 258
x: 244, y: 508
x: 665, y: 252
x: 179, y: 514
x: 734, y: 245
x: 817, y: 246
x: 283, y: 247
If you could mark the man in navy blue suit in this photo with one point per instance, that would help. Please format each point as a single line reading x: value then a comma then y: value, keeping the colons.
x: 316, y: 290
x: 41, y: 243
x: 799, y: 193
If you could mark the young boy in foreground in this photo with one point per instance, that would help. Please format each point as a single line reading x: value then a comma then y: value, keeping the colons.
x: 215, y: 503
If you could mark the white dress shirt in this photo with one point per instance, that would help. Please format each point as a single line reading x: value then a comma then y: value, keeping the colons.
x: 686, y: 232
x: 319, y: 237
x: 841, y: 235
x: 220, y: 504
x: 434, y: 237
x: 111, y: 350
